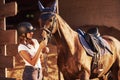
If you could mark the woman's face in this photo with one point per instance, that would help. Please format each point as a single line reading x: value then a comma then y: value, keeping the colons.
x: 30, y: 35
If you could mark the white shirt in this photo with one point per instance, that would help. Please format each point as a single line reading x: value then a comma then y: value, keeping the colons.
x: 32, y: 51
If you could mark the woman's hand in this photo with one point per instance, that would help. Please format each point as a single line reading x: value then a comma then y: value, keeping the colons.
x: 44, y: 34
x: 45, y: 50
x: 45, y: 37
x: 43, y: 44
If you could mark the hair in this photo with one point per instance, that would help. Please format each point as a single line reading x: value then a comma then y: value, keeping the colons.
x: 24, y: 40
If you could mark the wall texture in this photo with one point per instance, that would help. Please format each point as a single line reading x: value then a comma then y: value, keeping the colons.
x: 98, y: 12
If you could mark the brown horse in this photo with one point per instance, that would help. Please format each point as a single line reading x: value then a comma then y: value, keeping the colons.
x: 72, y: 59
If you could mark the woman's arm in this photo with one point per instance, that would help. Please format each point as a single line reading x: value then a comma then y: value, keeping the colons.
x: 24, y: 54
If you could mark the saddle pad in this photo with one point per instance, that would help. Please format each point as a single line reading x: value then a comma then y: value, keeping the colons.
x: 86, y: 46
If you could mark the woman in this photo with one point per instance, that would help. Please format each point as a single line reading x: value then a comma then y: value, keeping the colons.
x: 31, y: 51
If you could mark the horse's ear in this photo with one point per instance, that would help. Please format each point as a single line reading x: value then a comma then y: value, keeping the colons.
x: 54, y: 6
x: 41, y: 8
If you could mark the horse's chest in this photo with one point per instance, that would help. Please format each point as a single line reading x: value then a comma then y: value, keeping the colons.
x: 67, y: 62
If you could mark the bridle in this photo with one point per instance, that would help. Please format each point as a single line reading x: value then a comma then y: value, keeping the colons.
x: 51, y: 27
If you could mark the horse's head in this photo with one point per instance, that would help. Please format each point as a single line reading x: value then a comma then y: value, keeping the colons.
x: 47, y: 18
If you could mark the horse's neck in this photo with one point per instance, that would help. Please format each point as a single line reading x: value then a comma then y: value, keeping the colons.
x: 68, y: 34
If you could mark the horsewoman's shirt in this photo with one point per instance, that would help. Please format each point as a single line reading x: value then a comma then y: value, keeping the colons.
x: 32, y: 51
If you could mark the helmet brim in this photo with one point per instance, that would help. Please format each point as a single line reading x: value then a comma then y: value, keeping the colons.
x: 34, y: 29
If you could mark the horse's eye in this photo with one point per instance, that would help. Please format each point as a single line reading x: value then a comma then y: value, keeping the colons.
x: 50, y: 20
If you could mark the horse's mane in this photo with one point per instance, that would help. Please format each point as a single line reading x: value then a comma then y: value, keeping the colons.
x: 68, y: 33
x: 62, y: 22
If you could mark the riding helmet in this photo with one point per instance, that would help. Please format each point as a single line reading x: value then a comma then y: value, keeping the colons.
x: 25, y: 27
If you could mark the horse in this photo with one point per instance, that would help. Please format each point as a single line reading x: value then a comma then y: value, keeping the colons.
x: 72, y: 60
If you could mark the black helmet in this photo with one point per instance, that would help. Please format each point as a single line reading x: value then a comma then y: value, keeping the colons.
x: 25, y: 27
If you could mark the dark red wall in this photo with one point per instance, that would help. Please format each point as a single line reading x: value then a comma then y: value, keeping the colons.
x: 98, y: 12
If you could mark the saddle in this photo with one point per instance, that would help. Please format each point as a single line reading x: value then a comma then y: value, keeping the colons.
x: 93, y: 39
x: 97, y: 45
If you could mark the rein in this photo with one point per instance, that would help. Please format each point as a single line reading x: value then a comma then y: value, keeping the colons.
x: 50, y: 34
